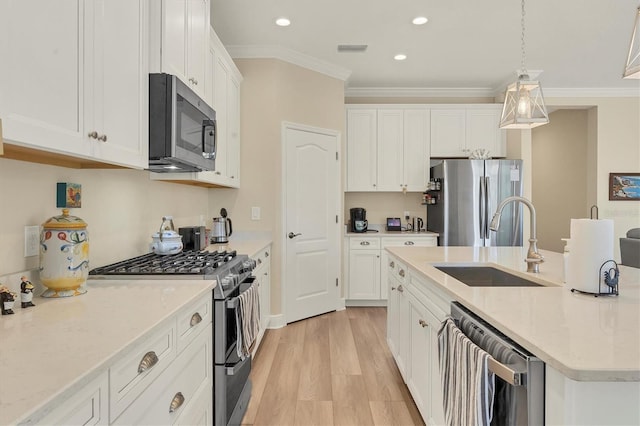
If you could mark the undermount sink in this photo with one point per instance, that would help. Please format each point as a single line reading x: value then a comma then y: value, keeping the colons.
x: 486, y: 276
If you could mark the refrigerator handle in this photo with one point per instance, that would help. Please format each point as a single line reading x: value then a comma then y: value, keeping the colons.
x: 487, y: 213
x: 483, y: 214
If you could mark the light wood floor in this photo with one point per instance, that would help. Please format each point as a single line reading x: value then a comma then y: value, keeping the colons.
x: 333, y: 369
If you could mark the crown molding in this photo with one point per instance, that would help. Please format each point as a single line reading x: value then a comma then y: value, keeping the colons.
x: 291, y: 56
x: 591, y: 92
x: 418, y: 92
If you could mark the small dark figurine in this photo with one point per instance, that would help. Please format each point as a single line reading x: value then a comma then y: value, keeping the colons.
x: 611, y: 277
x: 7, y: 299
x: 26, y: 292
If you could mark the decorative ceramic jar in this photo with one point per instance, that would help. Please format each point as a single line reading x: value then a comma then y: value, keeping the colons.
x: 64, y: 255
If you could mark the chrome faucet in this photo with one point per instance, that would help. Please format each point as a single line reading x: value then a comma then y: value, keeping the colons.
x: 534, y: 259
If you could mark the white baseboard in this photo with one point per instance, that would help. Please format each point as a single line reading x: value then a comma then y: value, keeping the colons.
x: 365, y: 303
x: 341, y: 305
x: 277, y: 321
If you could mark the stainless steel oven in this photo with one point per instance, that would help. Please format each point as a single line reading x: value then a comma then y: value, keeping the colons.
x: 182, y: 127
x: 519, y: 387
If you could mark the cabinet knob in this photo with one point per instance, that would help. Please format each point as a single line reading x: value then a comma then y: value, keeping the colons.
x: 392, y: 264
x: 259, y: 261
x: 195, y: 319
x: 365, y: 243
x: 393, y: 288
x: 176, y: 402
x: 374, y: 185
x: 266, y: 254
x: 93, y: 135
x: 400, y: 289
x: 401, y: 273
x: 148, y: 360
x: 423, y: 323
x: 102, y: 138
x: 409, y: 243
x: 218, y: 173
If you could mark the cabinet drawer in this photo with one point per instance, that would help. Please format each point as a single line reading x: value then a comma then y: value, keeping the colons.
x: 409, y: 240
x: 139, y: 367
x: 192, y: 320
x: 180, y: 384
x: 358, y: 243
x: 262, y: 258
x: 397, y: 269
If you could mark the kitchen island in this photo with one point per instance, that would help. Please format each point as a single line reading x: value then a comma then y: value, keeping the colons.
x: 591, y: 345
x: 51, y: 352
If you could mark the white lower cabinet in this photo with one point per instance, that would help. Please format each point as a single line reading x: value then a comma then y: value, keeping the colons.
x: 414, y: 317
x: 262, y: 272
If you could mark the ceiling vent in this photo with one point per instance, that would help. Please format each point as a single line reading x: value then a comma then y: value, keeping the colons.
x: 352, y: 47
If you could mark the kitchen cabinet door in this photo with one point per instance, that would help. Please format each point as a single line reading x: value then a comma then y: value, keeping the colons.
x: 416, y: 147
x: 390, y: 143
x: 197, y: 43
x: 117, y: 96
x: 42, y: 86
x: 233, y: 132
x: 404, y: 332
x: 393, y: 325
x: 419, y: 359
x: 220, y: 99
x: 483, y: 132
x: 174, y: 38
x: 364, y: 274
x: 448, y: 133
x: 436, y: 407
x: 361, y: 150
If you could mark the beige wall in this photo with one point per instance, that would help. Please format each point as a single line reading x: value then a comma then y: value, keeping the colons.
x: 381, y: 205
x: 122, y: 208
x: 559, y: 181
x: 274, y: 91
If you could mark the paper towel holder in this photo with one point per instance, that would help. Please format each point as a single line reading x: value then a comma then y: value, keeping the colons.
x: 607, y: 280
x: 594, y: 207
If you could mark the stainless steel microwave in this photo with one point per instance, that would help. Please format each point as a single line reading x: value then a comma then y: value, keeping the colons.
x: 182, y: 127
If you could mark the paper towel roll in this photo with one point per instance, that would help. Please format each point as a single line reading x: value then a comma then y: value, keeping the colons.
x: 591, y: 246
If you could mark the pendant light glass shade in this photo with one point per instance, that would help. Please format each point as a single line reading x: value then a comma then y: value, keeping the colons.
x: 523, y: 101
x: 523, y: 105
x: 632, y: 69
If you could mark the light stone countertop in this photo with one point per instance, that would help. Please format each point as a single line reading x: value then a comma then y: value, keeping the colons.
x: 586, y: 338
x: 48, y: 352
x: 384, y: 233
x: 249, y: 247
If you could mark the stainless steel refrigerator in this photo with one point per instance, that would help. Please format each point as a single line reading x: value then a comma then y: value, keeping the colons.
x: 470, y: 191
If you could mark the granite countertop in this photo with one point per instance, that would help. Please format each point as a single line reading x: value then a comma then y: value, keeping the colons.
x: 586, y: 338
x: 50, y: 351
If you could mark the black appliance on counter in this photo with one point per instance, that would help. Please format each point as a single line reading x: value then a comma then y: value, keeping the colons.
x: 233, y: 272
x: 358, y: 219
x: 193, y: 237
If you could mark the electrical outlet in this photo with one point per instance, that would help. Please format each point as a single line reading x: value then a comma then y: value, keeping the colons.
x: 255, y: 213
x: 31, y: 241
x: 406, y: 215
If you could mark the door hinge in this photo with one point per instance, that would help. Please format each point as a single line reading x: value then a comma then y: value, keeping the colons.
x: 336, y: 282
x: 336, y: 218
x: 336, y: 155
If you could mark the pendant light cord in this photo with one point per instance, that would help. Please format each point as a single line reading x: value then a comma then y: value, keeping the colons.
x: 523, y: 68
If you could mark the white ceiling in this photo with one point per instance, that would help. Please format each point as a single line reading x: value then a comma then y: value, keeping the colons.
x: 471, y: 46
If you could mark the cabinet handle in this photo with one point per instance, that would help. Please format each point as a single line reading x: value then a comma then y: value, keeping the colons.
x: 266, y: 273
x: 176, y: 402
x: 259, y: 261
x: 393, y: 288
x: 374, y: 185
x: 401, y: 273
x: 392, y: 264
x: 218, y: 173
x: 401, y: 289
x: 266, y: 254
x: 195, y: 81
x: 102, y: 138
x: 423, y: 323
x: 93, y: 135
x: 365, y: 243
x: 409, y: 243
x: 195, y: 319
x: 148, y: 360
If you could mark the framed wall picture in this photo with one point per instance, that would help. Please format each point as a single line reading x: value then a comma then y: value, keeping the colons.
x: 624, y: 186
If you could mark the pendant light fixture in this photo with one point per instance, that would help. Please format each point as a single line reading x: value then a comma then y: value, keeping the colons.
x: 632, y: 69
x: 523, y: 101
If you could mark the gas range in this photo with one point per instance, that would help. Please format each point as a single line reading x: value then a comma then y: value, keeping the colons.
x: 228, y: 268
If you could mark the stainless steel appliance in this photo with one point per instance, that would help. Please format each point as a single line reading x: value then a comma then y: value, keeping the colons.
x: 358, y: 219
x: 193, y: 237
x: 519, y: 390
x: 468, y: 197
x: 233, y: 272
x: 222, y: 228
x: 182, y: 127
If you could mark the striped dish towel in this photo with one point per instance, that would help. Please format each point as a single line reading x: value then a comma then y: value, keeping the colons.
x: 247, y: 320
x: 467, y: 384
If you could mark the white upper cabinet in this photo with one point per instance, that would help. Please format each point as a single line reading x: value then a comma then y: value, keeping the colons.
x: 74, y: 78
x: 458, y: 131
x: 361, y: 149
x: 387, y: 149
x: 183, y: 40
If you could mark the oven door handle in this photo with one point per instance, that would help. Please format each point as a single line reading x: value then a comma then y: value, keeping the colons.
x: 506, y: 373
x: 232, y: 303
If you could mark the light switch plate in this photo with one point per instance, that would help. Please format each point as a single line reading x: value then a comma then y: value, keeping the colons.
x: 31, y: 241
x: 255, y: 213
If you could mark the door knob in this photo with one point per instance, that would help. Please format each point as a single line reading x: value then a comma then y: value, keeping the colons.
x: 292, y: 235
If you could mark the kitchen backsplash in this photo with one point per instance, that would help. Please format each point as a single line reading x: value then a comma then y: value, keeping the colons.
x: 381, y: 205
x: 122, y: 208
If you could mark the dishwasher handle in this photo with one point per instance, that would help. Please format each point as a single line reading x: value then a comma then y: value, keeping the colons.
x: 506, y: 373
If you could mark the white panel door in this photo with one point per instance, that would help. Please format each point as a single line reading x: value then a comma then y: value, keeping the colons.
x: 312, y: 190
x: 390, y: 150
x: 417, y: 129
x: 361, y: 150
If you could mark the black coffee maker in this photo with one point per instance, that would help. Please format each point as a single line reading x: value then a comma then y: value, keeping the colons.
x: 358, y: 219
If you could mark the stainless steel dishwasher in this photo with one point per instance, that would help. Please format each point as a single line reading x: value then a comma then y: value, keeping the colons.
x: 519, y: 389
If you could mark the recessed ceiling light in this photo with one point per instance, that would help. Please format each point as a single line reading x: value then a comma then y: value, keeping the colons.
x: 419, y: 20
x: 283, y: 22
x: 400, y: 57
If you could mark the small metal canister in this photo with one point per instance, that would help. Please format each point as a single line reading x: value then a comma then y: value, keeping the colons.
x: 64, y: 255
